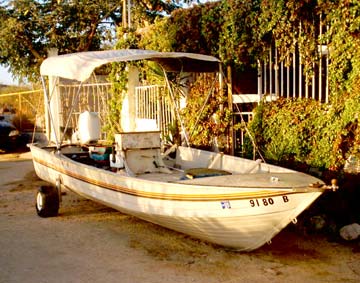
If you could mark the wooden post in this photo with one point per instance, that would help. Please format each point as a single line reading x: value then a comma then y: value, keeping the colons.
x: 230, y: 102
x: 20, y: 113
x: 276, y: 74
x: 270, y: 74
x: 300, y: 67
x: 282, y: 79
x: 320, y: 63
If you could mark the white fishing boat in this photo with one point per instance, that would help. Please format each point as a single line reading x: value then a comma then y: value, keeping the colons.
x: 222, y: 199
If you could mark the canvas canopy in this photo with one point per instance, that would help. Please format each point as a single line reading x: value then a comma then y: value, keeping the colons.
x: 79, y: 66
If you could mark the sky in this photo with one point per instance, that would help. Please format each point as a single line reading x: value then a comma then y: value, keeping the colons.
x: 5, y: 77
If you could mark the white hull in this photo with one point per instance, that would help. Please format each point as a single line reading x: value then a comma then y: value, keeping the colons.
x: 244, y: 213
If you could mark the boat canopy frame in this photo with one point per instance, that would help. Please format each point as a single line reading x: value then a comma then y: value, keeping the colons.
x: 79, y: 67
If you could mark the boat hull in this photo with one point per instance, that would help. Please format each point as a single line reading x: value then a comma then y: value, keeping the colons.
x: 243, y: 218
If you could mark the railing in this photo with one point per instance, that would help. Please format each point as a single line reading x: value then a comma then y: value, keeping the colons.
x: 245, y: 117
x: 290, y: 80
x: 153, y: 107
x: 93, y: 97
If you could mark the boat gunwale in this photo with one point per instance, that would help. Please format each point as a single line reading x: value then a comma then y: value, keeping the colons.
x: 271, y: 192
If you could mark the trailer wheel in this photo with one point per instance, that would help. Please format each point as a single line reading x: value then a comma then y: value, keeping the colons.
x: 47, y: 201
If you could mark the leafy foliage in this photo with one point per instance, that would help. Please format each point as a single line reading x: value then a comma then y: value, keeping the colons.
x: 288, y: 24
x: 299, y: 131
x: 187, y: 30
x: 206, y: 119
x: 344, y: 41
x: 238, y: 30
x: 29, y: 28
x: 241, y: 32
x: 118, y: 78
x: 322, y: 136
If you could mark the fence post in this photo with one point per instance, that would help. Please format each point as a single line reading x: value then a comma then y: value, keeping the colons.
x: 20, y: 111
x: 230, y: 102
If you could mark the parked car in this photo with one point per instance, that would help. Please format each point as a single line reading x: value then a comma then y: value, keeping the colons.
x: 9, y: 135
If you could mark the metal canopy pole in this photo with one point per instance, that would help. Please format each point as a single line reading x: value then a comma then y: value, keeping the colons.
x: 176, y: 108
x: 48, y: 108
x: 71, y: 111
x: 203, y: 106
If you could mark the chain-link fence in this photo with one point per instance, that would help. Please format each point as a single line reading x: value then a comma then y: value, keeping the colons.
x: 25, y: 109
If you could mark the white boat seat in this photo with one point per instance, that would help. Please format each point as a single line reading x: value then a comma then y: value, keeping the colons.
x: 141, y: 161
x: 141, y: 152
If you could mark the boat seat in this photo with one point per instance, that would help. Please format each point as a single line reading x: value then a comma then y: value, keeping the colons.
x: 141, y: 152
x: 141, y: 161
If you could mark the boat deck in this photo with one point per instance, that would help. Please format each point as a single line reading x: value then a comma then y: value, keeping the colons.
x: 273, y: 180
x: 173, y: 177
x: 205, y: 176
x: 254, y: 180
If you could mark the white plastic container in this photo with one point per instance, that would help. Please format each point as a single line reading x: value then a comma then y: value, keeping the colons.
x: 118, y: 162
x: 89, y: 127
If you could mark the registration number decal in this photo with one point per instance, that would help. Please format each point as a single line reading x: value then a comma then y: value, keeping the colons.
x: 225, y: 204
x: 266, y: 201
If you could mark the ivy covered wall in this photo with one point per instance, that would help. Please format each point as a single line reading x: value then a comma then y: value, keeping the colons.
x: 304, y: 131
x: 308, y: 134
x: 241, y: 32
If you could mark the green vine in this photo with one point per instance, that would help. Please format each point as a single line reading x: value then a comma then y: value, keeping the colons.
x: 298, y: 131
x: 208, y: 124
x: 119, y: 80
x: 294, y: 132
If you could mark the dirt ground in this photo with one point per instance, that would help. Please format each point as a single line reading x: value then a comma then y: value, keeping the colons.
x: 89, y: 242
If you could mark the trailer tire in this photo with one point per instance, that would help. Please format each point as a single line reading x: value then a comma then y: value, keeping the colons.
x: 47, y: 201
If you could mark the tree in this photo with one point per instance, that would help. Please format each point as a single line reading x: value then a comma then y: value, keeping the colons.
x: 187, y: 30
x: 29, y: 28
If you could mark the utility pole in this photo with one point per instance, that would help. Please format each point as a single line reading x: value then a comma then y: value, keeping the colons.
x: 124, y: 12
x: 126, y: 18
